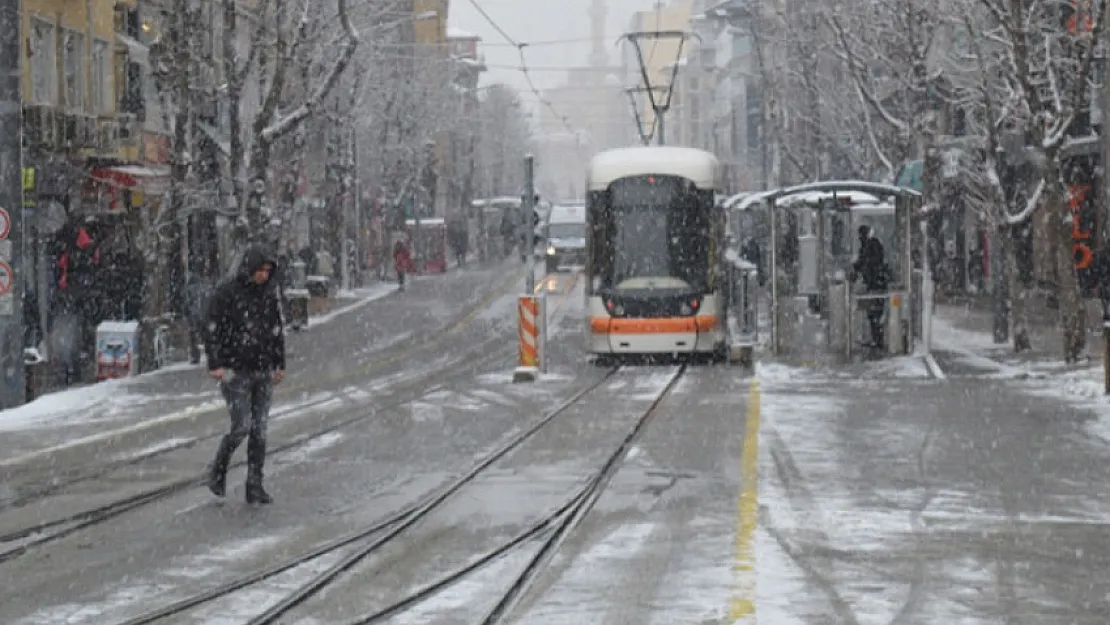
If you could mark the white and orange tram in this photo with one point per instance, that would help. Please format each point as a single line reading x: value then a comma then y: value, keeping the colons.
x: 655, y: 239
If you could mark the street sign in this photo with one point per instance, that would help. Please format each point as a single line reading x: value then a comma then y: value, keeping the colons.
x: 7, y: 279
x: 5, y: 224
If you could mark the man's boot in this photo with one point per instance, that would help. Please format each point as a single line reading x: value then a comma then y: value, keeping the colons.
x: 217, y: 472
x: 256, y: 457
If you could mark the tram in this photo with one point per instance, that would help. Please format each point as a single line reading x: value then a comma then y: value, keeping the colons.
x: 654, y: 252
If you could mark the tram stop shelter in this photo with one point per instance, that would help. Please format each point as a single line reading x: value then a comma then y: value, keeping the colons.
x: 813, y: 242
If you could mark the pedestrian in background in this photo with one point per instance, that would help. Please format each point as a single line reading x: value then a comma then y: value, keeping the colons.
x: 246, y: 354
x: 198, y: 291
x: 402, y: 262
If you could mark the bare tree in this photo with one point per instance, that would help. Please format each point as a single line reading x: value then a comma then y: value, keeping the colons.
x: 892, y: 55
x: 1042, y: 59
x: 816, y: 122
x: 504, y: 137
x: 292, y: 26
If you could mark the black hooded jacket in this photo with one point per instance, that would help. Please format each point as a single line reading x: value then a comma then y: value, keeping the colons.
x: 245, y: 327
x: 871, y: 264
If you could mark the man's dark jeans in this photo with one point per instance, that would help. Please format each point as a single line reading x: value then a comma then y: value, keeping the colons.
x: 248, y: 396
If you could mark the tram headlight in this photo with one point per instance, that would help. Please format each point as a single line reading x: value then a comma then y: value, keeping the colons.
x: 550, y: 250
x: 614, y: 308
x: 689, y: 307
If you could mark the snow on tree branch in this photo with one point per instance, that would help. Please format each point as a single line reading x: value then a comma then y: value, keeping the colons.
x: 288, y: 122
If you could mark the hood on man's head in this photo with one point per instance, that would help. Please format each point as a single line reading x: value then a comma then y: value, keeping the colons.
x: 254, y: 257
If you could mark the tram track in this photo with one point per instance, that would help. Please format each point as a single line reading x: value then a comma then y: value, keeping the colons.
x: 86, y: 519
x: 358, y: 373
x: 493, y: 348
x: 336, y: 380
x: 375, y: 537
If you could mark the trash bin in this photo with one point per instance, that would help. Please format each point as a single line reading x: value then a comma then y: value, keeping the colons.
x: 298, y: 308
x: 117, y: 354
x: 34, y: 367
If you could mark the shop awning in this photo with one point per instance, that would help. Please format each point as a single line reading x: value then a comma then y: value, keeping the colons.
x: 147, y: 180
x: 137, y: 50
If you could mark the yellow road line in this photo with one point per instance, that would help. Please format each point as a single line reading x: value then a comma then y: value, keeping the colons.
x: 742, y: 603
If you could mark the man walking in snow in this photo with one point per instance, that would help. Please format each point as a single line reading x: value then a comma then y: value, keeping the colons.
x: 246, y: 353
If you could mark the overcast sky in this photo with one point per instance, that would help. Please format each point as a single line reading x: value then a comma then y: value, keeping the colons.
x: 539, y: 21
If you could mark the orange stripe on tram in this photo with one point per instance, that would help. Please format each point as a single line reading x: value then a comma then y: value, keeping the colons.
x: 664, y: 325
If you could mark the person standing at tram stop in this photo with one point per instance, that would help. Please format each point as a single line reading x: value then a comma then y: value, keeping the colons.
x: 870, y: 266
x: 246, y: 354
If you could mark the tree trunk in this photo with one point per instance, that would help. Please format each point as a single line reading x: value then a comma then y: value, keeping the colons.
x: 1018, y: 295
x: 1072, y: 312
x: 256, y: 198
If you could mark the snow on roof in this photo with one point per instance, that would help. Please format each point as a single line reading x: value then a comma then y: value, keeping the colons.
x: 458, y: 33
x: 699, y: 166
x: 813, y: 197
x: 841, y: 186
x: 861, y: 192
x: 732, y: 200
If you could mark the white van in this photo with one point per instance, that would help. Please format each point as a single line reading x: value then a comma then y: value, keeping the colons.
x: 565, y: 234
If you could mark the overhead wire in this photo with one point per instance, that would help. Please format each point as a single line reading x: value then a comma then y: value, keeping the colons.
x: 523, y: 69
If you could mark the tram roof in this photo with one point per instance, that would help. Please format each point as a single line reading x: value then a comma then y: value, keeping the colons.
x: 698, y: 166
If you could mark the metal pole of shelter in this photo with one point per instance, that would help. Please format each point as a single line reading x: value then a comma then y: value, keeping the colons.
x: 774, y: 277
x: 11, y: 199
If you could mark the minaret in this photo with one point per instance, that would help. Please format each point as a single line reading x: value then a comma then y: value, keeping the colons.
x: 599, y: 58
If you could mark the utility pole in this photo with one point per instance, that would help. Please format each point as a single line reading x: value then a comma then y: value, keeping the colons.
x: 347, y: 189
x: 11, y: 199
x: 529, y: 208
x: 360, y: 216
x: 1104, y: 177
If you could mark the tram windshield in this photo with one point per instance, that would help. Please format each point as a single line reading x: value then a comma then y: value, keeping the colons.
x: 653, y: 234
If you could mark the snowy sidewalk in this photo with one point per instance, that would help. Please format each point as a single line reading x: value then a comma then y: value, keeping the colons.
x: 963, y: 345
x: 150, y: 398
x: 335, y: 345
x: 880, y: 500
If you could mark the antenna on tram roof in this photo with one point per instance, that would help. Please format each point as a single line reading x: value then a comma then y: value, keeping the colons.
x: 650, y: 86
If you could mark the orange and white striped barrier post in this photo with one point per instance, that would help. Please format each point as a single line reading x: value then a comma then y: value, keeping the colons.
x: 529, y: 331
